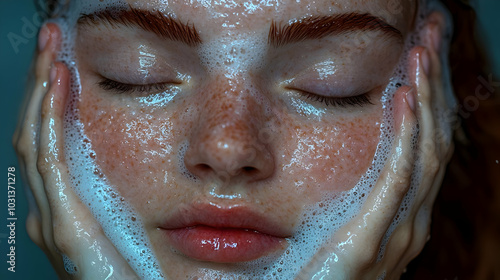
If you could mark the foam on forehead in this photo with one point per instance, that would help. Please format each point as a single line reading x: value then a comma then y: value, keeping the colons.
x: 123, y: 226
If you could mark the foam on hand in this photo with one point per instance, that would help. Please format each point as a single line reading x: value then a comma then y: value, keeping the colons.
x: 119, y: 221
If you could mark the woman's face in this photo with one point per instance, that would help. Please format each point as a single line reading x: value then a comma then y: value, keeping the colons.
x: 220, y: 121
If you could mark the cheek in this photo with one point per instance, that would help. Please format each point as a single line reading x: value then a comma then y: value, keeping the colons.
x: 137, y: 150
x: 332, y: 157
x: 133, y: 147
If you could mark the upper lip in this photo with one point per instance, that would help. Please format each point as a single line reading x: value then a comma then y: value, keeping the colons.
x: 235, y: 217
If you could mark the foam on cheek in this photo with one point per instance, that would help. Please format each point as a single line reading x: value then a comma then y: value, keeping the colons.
x: 121, y: 224
x: 322, y: 220
x: 426, y: 8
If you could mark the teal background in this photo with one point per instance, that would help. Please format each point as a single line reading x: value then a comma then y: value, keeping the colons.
x: 31, y: 263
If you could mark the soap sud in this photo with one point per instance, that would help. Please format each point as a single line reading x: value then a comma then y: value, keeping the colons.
x: 69, y: 266
x: 382, y: 276
x: 182, y: 167
x: 119, y: 221
x: 320, y: 221
x: 426, y: 7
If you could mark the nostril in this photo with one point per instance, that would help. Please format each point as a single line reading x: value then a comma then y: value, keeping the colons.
x: 249, y: 169
x: 204, y: 167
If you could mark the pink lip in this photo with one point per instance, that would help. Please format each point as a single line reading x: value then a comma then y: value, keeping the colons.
x: 225, y: 235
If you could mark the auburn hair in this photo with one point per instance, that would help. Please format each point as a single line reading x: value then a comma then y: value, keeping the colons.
x: 465, y: 226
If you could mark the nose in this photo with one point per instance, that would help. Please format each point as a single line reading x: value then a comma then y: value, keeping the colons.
x: 230, y: 142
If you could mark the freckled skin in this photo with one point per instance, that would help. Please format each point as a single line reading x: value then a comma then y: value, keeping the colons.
x: 243, y: 140
x: 132, y: 148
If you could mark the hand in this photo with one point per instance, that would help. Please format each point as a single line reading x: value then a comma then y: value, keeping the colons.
x: 354, y: 250
x: 59, y: 222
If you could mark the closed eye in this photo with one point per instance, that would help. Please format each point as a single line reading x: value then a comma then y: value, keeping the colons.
x: 122, y: 88
x: 359, y: 100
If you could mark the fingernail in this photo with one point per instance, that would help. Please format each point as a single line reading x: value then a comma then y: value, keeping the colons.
x: 424, y: 57
x: 436, y: 38
x: 53, y: 73
x: 410, y: 98
x: 43, y: 38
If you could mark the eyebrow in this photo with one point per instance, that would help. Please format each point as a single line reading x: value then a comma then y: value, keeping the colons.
x: 153, y: 21
x: 322, y: 26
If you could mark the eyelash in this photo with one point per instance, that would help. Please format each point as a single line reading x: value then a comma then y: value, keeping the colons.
x: 118, y: 87
x: 359, y: 100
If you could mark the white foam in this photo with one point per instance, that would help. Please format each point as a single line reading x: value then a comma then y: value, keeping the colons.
x: 123, y: 226
x: 69, y: 266
x: 426, y: 8
x: 119, y: 221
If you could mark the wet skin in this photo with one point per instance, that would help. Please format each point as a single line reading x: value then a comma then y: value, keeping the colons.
x: 238, y: 134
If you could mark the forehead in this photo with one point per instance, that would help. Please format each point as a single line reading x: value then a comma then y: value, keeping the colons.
x: 216, y: 15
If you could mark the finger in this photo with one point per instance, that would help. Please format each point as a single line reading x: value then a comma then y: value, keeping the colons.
x: 385, y: 199
x: 428, y: 160
x: 433, y: 36
x: 424, y: 67
x: 437, y: 132
x: 52, y: 113
x: 431, y: 153
x: 419, y: 71
x: 25, y: 139
x: 360, y: 238
x: 50, y: 153
x: 76, y: 233
x: 50, y: 35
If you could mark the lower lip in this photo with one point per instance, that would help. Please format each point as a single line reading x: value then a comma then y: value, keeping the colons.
x: 223, y: 245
